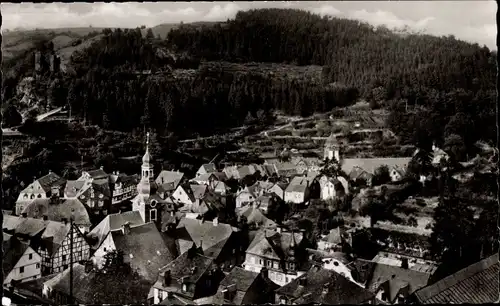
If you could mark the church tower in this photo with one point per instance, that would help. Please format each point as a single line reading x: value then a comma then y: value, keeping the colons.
x: 145, y: 202
x: 332, y: 148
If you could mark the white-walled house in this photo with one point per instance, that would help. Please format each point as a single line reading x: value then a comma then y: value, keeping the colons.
x: 333, y: 187
x: 245, y: 197
x: 20, y: 261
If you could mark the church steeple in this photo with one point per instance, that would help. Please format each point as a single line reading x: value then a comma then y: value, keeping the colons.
x: 145, y: 186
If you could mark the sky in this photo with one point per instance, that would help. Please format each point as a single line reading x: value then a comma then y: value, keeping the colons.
x: 473, y: 21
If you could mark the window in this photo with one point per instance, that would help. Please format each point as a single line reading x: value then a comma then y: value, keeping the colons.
x: 39, y: 196
x: 30, y: 256
x: 260, y: 261
x: 152, y: 214
x: 65, y: 267
x: 101, y: 203
x: 47, y: 260
x: 21, y: 270
x: 38, y: 266
x: 25, y: 196
x: 64, y: 257
x: 184, y: 287
x: 32, y: 196
x: 104, y: 249
x: 101, y: 195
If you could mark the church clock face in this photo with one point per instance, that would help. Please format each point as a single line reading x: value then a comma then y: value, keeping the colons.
x: 153, y: 204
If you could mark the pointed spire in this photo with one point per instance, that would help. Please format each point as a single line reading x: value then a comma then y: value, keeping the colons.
x: 292, y: 244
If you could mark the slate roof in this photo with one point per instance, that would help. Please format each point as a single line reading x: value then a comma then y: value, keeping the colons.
x: 270, y: 169
x: 209, y: 168
x: 58, y: 209
x: 254, y: 215
x: 475, y: 284
x: 298, y: 184
x: 392, y: 279
x: 204, y: 177
x: 205, y: 231
x: 97, y: 174
x: 23, y: 226
x: 54, y: 235
x: 149, y: 249
x: 86, y: 284
x: 114, y: 222
x: 370, y: 164
x: 331, y: 140
x: 339, y: 290
x: 243, y: 280
x: 102, y: 186
x: 50, y: 180
x: 182, y: 267
x: 13, y: 250
x: 166, y: 177
x: 72, y: 188
x: 198, y: 191
x: 270, y: 243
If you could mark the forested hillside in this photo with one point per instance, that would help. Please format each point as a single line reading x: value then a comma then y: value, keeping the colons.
x: 449, y: 83
x: 435, y: 87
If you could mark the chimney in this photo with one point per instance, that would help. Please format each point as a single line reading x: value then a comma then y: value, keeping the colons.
x: 45, y: 218
x: 126, y: 228
x: 25, y: 215
x: 101, y: 167
x: 88, y: 266
x: 50, y: 171
x: 404, y: 263
x: 264, y: 272
x: 216, y: 221
x: 278, y: 229
x: 167, y: 278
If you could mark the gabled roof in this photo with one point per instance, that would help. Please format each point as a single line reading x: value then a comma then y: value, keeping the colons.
x: 54, y: 235
x: 183, y: 266
x: 370, y: 164
x: 148, y: 248
x: 97, y: 174
x: 208, y: 168
x: 198, y: 191
x: 102, y: 186
x: 270, y: 243
x: 243, y: 280
x: 254, y: 215
x: 475, y: 284
x: 325, y: 287
x: 85, y: 286
x: 206, y: 233
x: 393, y: 279
x: 114, y: 222
x: 50, y: 180
x: 72, y: 188
x: 23, y: 226
x: 205, y: 177
x: 166, y: 177
x: 13, y: 250
x: 58, y: 209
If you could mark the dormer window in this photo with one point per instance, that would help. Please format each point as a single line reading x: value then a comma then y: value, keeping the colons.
x: 32, y: 196
x: 39, y: 196
x: 25, y: 196
x: 152, y: 214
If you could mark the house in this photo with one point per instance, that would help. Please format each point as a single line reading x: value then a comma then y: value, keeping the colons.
x: 261, y: 187
x: 394, y: 284
x: 333, y: 187
x: 111, y: 223
x: 355, y: 168
x: 286, y: 169
x: 297, y: 191
x: 332, y: 241
x: 123, y: 187
x: 282, y: 253
x: 55, y: 247
x: 265, y: 201
x: 188, y: 278
x: 97, y: 174
x: 438, y: 155
x: 50, y: 239
x: 278, y: 189
x: 219, y: 241
x: 206, y: 169
x: 169, y: 179
x: 221, y: 188
x: 41, y: 188
x: 190, y: 195
x: 19, y: 262
x: 205, y: 179
x: 143, y: 246
x: 242, y: 287
x: 322, y: 286
x: 57, y: 209
x: 244, y: 197
x: 91, y: 287
x: 335, y: 261
x: 254, y: 216
x: 475, y: 284
x: 94, y: 194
